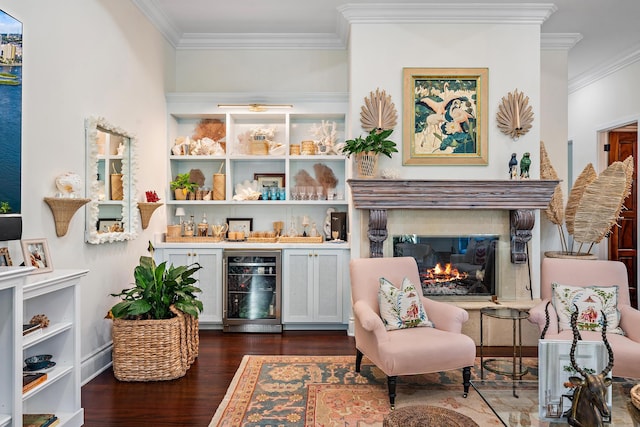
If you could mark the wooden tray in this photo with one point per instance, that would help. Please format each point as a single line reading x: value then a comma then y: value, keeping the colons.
x: 301, y: 239
x: 192, y: 239
x: 262, y: 239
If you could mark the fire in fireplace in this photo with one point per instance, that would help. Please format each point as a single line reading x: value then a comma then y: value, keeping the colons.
x: 452, y: 265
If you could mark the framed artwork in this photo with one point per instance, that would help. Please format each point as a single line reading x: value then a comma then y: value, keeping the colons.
x: 110, y: 225
x: 445, y: 116
x: 36, y: 254
x: 554, y: 367
x: 269, y: 179
x: 241, y: 225
x: 5, y: 258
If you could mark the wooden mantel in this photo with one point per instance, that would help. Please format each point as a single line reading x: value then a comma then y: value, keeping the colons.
x: 520, y: 197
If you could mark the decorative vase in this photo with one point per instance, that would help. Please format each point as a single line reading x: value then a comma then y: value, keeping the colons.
x: 180, y: 194
x: 366, y: 163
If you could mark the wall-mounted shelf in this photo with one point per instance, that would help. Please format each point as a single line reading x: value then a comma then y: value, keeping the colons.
x: 63, y: 210
x: 146, y: 210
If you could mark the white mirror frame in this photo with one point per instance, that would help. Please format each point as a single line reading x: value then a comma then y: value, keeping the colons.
x: 129, y: 180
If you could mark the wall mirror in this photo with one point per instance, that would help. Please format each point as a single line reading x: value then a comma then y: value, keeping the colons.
x: 111, y: 215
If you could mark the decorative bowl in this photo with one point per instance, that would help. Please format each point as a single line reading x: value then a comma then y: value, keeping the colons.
x: 37, y: 362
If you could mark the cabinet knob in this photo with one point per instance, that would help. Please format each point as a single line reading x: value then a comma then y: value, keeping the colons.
x: 315, y: 254
x: 310, y: 255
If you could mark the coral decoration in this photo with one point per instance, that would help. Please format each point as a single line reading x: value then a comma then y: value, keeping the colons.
x: 304, y: 179
x: 209, y: 128
x: 41, y: 319
x: 152, y: 196
x: 325, y: 176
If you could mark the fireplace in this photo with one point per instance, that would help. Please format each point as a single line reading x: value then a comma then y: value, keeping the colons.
x: 462, y: 265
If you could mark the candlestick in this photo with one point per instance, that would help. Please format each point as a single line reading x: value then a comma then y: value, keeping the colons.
x: 379, y: 114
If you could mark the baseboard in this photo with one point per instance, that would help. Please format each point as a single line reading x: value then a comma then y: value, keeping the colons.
x: 96, y: 363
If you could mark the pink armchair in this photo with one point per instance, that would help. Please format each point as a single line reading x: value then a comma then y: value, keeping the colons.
x: 406, y: 351
x: 572, y: 272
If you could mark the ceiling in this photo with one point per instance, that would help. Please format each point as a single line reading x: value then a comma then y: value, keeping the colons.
x: 609, y: 28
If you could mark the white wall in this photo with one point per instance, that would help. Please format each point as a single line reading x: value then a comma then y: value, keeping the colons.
x: 553, y: 131
x: 607, y: 103
x: 81, y: 58
x: 261, y: 71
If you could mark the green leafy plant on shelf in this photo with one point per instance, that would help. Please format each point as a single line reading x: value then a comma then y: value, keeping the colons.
x: 183, y: 182
x: 156, y: 288
x: 5, y: 207
x: 376, y: 142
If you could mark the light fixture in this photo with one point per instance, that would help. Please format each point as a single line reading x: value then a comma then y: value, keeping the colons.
x: 180, y: 213
x: 255, y: 107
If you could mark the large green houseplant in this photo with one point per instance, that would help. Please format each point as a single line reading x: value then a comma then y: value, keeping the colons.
x: 367, y: 150
x: 155, y: 326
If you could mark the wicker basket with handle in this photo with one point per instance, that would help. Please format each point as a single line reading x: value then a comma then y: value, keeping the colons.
x: 154, y: 350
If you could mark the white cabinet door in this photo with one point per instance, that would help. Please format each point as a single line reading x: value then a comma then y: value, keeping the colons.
x: 312, y: 286
x: 209, y: 278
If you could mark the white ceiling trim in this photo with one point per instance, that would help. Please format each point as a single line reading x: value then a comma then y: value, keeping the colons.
x: 597, y: 73
x: 559, y: 41
x: 510, y: 13
x: 257, y: 97
x: 318, y: 41
x: 447, y: 13
x: 159, y: 20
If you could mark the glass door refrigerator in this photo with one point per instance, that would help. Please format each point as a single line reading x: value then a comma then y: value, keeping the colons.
x: 252, y: 291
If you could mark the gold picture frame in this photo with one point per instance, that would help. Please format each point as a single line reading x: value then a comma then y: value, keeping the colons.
x: 445, y: 116
x: 36, y: 254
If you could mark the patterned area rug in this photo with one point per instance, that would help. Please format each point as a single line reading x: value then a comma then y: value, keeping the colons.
x: 326, y: 391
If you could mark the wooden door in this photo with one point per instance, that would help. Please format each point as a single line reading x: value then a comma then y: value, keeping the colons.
x: 623, y: 241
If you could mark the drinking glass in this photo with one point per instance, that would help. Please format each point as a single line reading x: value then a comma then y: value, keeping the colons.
x: 302, y: 190
x: 295, y: 193
x: 319, y: 191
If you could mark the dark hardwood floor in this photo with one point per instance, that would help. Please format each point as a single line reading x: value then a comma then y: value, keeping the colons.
x: 193, y: 399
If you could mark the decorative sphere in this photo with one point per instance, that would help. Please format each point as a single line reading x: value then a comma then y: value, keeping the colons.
x: 69, y: 184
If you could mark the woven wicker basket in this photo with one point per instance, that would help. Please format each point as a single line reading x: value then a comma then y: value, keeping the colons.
x: 635, y: 396
x: 154, y: 350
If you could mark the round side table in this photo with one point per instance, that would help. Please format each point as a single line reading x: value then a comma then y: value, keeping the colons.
x: 516, y: 370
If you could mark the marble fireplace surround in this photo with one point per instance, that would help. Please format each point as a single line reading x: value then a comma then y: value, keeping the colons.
x: 510, y: 202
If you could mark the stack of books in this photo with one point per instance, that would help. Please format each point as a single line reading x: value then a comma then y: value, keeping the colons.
x: 30, y: 380
x: 40, y: 420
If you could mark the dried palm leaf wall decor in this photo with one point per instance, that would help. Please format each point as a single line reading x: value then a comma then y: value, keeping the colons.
x: 594, y: 203
x: 378, y: 112
x: 515, y: 115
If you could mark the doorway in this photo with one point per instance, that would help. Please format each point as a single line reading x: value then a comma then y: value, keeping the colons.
x: 623, y: 241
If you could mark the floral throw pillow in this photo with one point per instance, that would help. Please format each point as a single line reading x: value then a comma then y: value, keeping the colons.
x: 591, y: 302
x: 401, y: 308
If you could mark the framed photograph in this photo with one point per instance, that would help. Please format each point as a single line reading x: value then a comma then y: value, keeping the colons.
x: 269, y: 179
x: 239, y: 225
x: 110, y: 225
x: 36, y: 254
x: 554, y: 367
x: 445, y: 116
x: 5, y: 258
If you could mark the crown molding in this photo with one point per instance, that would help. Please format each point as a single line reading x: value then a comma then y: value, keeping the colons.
x: 447, y: 13
x: 318, y: 41
x: 608, y: 68
x: 559, y: 41
x: 509, y: 13
x: 257, y: 97
x: 159, y: 20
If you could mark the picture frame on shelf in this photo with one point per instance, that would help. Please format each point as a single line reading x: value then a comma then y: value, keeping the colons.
x: 5, y: 258
x: 239, y: 225
x: 270, y: 180
x: 446, y: 116
x: 36, y: 254
x: 109, y: 225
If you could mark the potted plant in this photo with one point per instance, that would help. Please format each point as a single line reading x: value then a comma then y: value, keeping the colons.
x: 183, y: 185
x: 368, y: 149
x: 155, y: 324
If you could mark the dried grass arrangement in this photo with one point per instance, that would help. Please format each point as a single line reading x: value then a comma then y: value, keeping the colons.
x: 594, y: 203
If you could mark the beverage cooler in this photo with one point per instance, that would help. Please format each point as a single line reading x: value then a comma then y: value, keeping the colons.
x: 252, y: 291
